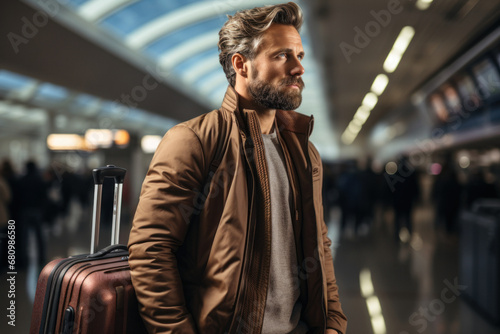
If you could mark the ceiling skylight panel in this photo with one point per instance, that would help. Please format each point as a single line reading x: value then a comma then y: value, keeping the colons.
x: 210, y: 83
x: 189, y: 48
x: 123, y: 22
x: 76, y: 3
x: 200, y: 68
x: 180, y: 36
x: 96, y: 9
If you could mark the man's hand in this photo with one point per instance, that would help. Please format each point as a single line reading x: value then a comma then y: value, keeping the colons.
x: 331, y: 331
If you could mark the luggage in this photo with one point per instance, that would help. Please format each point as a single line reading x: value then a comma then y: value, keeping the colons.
x: 90, y: 293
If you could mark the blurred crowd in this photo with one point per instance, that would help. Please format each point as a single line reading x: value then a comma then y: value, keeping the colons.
x: 369, y: 196
x: 35, y: 198
x: 365, y: 195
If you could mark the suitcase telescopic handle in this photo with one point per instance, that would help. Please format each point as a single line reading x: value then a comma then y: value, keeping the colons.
x: 109, y: 171
x: 99, y: 174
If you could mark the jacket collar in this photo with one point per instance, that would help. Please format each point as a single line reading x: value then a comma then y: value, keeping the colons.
x: 286, y: 120
x: 230, y: 101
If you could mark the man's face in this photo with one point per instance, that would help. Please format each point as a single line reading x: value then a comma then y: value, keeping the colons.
x: 275, y: 78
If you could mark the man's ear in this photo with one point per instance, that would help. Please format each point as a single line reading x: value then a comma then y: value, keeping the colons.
x: 240, y: 64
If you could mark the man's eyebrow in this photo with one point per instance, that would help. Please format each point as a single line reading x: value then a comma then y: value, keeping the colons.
x: 288, y: 50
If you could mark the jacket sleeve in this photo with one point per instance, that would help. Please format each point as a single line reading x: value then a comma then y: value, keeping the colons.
x: 336, y: 318
x: 159, y: 227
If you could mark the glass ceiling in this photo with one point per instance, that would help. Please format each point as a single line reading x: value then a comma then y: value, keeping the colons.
x: 181, y: 37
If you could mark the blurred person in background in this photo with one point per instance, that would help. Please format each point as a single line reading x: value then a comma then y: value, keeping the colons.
x: 52, y: 208
x: 32, y: 199
x: 405, y: 194
x: 368, y: 194
x: 255, y: 256
x: 348, y: 188
x: 357, y: 193
x: 9, y: 175
x: 5, y: 199
x: 446, y: 195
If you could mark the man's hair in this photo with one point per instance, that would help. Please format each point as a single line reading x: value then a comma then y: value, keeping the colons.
x: 242, y: 33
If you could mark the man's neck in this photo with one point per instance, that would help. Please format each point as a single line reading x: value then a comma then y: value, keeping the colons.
x: 266, y: 120
x: 266, y: 116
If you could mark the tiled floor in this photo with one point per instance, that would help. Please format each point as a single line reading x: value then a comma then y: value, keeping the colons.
x: 386, y: 286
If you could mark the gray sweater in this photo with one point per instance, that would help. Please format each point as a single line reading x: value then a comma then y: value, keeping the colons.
x: 282, y: 313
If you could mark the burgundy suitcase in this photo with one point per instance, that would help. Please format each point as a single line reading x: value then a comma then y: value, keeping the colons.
x: 90, y: 293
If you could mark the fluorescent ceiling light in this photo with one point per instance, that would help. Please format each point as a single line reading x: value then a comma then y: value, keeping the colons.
x: 399, y: 48
x: 65, y: 142
x: 404, y: 39
x: 362, y: 114
x: 373, y: 305
x: 392, y: 61
x: 378, y: 324
x: 379, y: 84
x: 348, y: 137
x: 370, y: 100
x: 357, y: 122
x: 423, y: 4
x: 354, y: 127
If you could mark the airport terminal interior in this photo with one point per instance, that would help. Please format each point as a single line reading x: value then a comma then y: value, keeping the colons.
x: 405, y: 96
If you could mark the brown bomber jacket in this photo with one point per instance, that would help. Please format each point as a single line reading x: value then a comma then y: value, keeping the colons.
x: 203, y: 268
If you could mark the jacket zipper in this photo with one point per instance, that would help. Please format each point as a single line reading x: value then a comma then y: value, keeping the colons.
x: 259, y: 164
x: 247, y: 256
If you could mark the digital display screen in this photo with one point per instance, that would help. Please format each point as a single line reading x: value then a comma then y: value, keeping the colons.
x: 488, y: 78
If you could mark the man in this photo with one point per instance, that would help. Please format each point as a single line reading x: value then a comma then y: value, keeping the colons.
x: 229, y: 235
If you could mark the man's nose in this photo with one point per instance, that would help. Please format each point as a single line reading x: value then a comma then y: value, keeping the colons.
x: 297, y: 69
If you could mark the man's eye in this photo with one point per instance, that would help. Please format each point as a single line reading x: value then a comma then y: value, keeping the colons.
x: 282, y: 55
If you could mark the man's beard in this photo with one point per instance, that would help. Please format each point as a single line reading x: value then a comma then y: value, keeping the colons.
x: 278, y: 96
